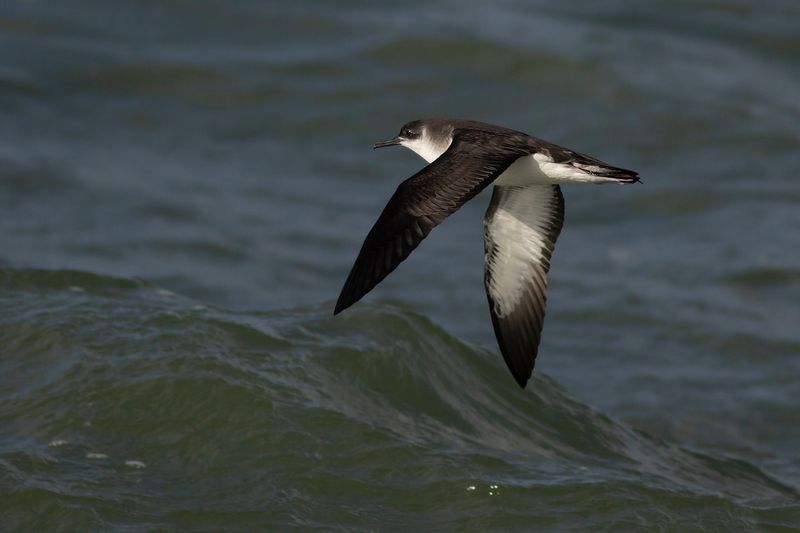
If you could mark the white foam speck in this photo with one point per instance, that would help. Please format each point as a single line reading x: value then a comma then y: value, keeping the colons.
x: 471, y: 487
x: 94, y: 455
x: 56, y: 443
x: 492, y: 486
x: 199, y: 307
x: 164, y: 293
x: 135, y: 464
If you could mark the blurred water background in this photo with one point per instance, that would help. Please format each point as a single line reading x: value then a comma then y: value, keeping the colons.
x: 184, y: 187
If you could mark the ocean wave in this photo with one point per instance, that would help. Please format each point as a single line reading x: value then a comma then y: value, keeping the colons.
x: 312, y: 410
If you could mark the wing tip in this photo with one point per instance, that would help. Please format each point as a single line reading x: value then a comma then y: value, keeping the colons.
x: 343, y: 302
x: 520, y: 367
x: 521, y: 379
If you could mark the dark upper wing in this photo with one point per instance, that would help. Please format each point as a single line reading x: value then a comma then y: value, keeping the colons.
x: 424, y: 200
x: 520, y: 231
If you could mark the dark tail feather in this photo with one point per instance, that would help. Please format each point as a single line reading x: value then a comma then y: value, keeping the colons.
x: 598, y: 168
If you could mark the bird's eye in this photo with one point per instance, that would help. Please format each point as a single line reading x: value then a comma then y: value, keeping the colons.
x: 408, y: 133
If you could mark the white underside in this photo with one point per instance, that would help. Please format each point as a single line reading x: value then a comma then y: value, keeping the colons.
x: 539, y: 169
x: 518, y: 234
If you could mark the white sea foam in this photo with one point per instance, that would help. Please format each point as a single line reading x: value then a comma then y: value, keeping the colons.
x: 96, y: 455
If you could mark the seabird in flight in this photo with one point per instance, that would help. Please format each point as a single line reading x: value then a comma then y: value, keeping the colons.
x: 520, y: 227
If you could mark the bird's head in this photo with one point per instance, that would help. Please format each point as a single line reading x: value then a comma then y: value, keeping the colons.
x: 427, y: 138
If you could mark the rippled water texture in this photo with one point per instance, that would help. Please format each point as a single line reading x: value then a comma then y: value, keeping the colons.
x: 184, y: 186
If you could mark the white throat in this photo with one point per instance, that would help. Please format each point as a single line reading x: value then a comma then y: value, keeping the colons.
x: 426, y: 148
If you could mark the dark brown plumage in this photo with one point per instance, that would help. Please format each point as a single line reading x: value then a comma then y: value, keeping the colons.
x: 521, y: 224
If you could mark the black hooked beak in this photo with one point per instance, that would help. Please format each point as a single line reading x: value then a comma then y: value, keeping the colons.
x: 390, y: 142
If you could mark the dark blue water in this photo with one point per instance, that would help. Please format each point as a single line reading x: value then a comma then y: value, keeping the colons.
x: 184, y: 187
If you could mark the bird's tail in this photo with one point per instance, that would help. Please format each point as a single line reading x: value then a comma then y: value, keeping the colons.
x: 607, y: 172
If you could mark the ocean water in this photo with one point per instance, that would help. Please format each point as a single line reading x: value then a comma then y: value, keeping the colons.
x: 184, y: 187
